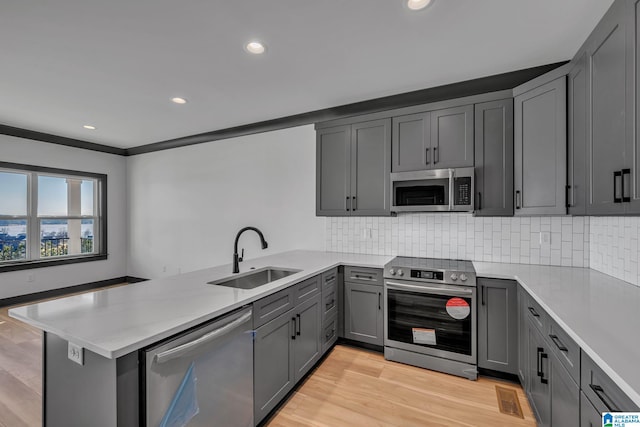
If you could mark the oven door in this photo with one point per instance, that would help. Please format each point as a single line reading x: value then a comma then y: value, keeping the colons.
x: 430, y: 318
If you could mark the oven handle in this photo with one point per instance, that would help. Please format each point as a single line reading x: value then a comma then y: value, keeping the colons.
x: 429, y: 289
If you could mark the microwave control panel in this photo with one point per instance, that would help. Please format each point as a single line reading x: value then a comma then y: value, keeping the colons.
x: 462, y: 190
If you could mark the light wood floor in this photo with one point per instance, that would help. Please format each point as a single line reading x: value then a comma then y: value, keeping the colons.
x: 352, y: 387
x: 355, y: 387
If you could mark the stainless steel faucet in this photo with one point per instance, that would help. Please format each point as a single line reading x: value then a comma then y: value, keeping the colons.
x: 237, y: 259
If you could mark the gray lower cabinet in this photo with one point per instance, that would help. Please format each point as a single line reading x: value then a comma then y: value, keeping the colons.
x: 498, y: 325
x: 352, y: 171
x: 540, y: 139
x: 523, y: 339
x: 565, y: 395
x: 363, y: 316
x: 307, y: 346
x: 274, y: 368
x: 589, y: 416
x: 494, y: 158
x: 538, y: 371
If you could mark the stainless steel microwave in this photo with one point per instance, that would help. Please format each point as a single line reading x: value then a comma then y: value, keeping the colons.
x: 437, y: 190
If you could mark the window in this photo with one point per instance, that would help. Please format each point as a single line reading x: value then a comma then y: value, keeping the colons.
x: 50, y: 216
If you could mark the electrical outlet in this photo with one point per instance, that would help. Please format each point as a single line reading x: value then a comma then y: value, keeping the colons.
x: 545, y: 238
x: 366, y: 233
x: 75, y: 353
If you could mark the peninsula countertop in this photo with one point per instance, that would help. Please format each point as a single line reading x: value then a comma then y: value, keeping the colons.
x: 599, y: 312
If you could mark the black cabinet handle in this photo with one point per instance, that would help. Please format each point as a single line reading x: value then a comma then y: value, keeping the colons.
x: 624, y: 172
x: 482, y: 293
x: 299, y: 323
x: 543, y: 380
x: 435, y: 155
x: 346, y: 204
x: 427, y: 157
x: 379, y: 301
x: 329, y: 305
x: 354, y: 206
x: 517, y: 199
x: 599, y: 391
x: 616, y: 175
x: 539, y: 362
x: 567, y: 188
x: 533, y: 312
x: 293, y: 335
x: 330, y: 334
x: 479, y: 201
x: 558, y: 343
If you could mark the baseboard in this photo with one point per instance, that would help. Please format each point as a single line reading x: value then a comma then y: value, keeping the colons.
x: 499, y: 375
x: 363, y: 345
x: 25, y: 299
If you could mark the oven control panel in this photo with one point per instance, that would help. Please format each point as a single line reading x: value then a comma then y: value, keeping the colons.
x: 427, y: 274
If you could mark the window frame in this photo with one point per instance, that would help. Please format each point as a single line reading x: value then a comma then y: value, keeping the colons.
x: 33, y: 219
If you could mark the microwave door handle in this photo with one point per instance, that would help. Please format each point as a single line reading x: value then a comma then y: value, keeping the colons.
x: 429, y: 290
x: 451, y: 186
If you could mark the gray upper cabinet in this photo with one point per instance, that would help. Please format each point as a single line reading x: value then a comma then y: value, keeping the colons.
x: 333, y: 171
x: 370, y: 168
x: 494, y: 158
x: 452, y: 137
x: 352, y: 172
x: 433, y: 139
x: 411, y: 142
x: 633, y: 105
x: 577, y: 143
x: 498, y: 325
x: 540, y: 146
x: 607, y: 87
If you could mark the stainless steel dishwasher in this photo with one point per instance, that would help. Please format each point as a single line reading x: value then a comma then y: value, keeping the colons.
x: 203, y: 377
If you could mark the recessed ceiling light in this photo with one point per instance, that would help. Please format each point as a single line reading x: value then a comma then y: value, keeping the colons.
x: 418, y: 4
x: 89, y: 127
x: 255, y: 47
x: 179, y: 100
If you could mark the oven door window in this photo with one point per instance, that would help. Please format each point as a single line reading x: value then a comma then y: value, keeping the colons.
x: 434, y: 321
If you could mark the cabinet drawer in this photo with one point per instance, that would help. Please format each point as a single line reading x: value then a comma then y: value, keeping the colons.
x: 363, y: 275
x: 330, y: 278
x: 307, y: 289
x: 268, y: 308
x: 601, y: 391
x: 566, y: 349
x: 329, y: 301
x: 329, y: 332
x: 539, y: 317
x: 589, y: 416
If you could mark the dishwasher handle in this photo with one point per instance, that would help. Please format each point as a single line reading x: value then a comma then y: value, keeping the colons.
x: 206, y: 338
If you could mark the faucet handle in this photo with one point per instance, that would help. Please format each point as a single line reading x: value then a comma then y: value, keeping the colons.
x: 241, y: 256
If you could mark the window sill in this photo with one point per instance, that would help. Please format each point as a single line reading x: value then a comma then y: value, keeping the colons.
x: 28, y: 265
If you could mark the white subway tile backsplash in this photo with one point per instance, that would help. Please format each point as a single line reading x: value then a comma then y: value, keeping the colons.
x: 607, y: 244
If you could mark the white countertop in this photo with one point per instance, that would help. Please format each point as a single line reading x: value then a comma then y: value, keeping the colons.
x: 601, y: 313
x: 117, y: 321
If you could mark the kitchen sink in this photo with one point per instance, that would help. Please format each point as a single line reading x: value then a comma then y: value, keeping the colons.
x: 254, y: 278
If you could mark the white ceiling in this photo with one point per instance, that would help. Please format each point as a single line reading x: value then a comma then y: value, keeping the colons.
x: 115, y: 64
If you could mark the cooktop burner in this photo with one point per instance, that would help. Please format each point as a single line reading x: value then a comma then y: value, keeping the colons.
x: 434, y: 270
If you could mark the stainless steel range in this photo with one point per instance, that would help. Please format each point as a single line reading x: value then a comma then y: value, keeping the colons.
x: 430, y: 314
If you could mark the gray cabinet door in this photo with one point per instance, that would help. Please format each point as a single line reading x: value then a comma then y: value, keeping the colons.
x: 273, y: 364
x: 523, y: 340
x: 410, y: 142
x: 307, y: 344
x: 539, y: 378
x: 370, y: 168
x: 498, y: 325
x: 333, y: 171
x: 452, y: 137
x: 565, y: 396
x: 494, y: 158
x: 607, y: 90
x: 577, y: 143
x: 540, y: 146
x: 589, y: 416
x: 633, y: 106
x: 363, y: 313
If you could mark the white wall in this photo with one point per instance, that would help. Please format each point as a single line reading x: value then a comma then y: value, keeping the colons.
x: 615, y: 247
x: 17, y: 150
x: 187, y: 204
